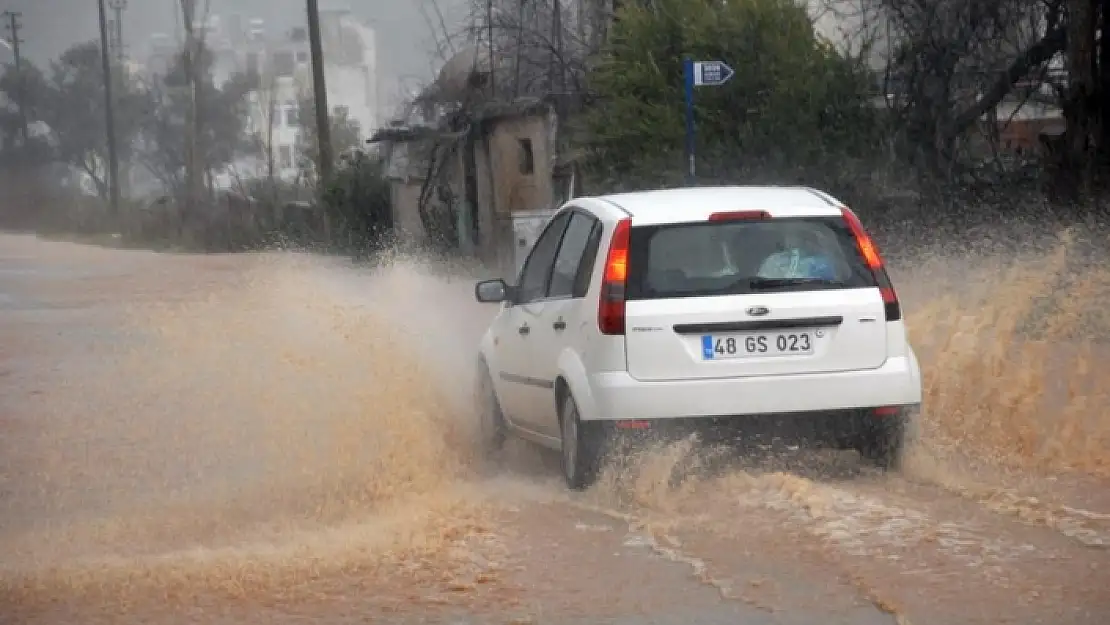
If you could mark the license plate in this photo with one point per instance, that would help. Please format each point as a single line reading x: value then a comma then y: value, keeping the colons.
x: 725, y: 346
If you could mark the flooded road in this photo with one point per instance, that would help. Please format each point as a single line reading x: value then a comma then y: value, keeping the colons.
x: 283, y: 438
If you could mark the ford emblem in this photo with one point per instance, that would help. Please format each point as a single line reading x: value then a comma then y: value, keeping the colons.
x: 758, y: 311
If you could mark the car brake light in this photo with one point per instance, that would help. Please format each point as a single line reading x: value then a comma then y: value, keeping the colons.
x: 610, y: 307
x: 874, y: 260
x: 740, y: 216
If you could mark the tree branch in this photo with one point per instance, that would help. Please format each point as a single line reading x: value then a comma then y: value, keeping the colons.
x: 88, y: 163
x: 1052, y: 43
x: 442, y: 47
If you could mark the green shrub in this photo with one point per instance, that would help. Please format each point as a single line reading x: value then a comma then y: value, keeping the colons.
x: 357, y: 204
x: 795, y: 102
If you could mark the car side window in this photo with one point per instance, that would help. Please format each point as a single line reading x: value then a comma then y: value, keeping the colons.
x: 589, y: 259
x: 536, y: 273
x: 575, y: 243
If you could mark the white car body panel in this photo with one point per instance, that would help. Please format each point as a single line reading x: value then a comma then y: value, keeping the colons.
x: 619, y: 396
x: 657, y: 352
x: 654, y: 373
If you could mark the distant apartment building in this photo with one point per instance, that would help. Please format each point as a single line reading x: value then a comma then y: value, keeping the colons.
x: 282, y: 65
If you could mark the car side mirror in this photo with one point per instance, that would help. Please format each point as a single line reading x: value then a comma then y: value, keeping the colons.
x: 492, y: 291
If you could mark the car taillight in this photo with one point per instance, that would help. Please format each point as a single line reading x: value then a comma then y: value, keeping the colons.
x: 610, y: 307
x: 874, y: 260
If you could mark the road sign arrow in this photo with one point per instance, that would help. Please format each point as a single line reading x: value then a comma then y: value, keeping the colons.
x: 711, y: 73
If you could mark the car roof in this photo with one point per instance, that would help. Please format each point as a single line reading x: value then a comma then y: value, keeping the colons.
x: 697, y: 203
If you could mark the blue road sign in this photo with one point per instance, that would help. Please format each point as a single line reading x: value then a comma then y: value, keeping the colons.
x: 699, y: 74
x: 711, y: 73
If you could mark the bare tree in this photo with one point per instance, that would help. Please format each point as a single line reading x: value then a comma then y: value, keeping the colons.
x: 944, y: 65
x: 546, y: 44
x: 533, y: 47
x: 269, y: 114
x: 1080, y: 100
x: 442, y: 37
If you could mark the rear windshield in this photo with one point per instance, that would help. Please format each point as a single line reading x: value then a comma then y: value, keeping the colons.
x: 737, y: 257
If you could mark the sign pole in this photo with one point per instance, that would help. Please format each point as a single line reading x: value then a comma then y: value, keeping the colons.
x: 688, y: 76
x: 699, y: 74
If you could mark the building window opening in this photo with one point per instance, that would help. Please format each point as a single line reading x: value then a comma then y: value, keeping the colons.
x: 292, y: 115
x: 527, y: 157
x: 284, y: 63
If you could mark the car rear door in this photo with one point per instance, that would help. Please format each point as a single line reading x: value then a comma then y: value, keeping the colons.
x: 565, y: 312
x: 521, y: 343
x: 699, y: 304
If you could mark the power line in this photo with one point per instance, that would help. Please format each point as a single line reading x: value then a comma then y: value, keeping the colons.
x: 13, y: 27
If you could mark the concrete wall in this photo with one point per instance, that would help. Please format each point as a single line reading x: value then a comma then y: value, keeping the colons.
x: 354, y: 89
x: 491, y: 223
x: 406, y: 183
x: 352, y: 69
x: 514, y: 190
x: 503, y: 188
x: 405, y: 197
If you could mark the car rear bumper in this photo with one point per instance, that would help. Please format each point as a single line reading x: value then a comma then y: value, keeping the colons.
x: 838, y: 429
x: 617, y: 396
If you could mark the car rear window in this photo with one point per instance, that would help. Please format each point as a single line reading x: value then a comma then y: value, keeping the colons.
x: 744, y: 256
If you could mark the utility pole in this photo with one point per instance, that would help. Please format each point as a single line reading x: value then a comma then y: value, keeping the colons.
x: 189, y: 63
x: 489, y: 39
x: 320, y: 94
x: 118, y: 7
x: 13, y: 28
x: 110, y: 118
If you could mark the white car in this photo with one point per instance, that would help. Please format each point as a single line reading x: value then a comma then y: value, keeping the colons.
x: 728, y: 305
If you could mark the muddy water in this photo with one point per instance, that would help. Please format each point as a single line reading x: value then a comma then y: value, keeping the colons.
x: 255, y: 429
x: 225, y: 408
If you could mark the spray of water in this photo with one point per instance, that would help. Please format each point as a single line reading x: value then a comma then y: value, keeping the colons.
x: 291, y: 420
x: 1013, y: 350
x: 1015, y: 400
x: 298, y: 420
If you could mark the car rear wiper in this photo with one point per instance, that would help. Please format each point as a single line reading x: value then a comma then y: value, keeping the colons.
x: 777, y: 283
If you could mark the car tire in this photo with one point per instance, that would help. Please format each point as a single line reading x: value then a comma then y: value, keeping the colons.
x: 883, y: 441
x: 581, y: 448
x: 492, y: 430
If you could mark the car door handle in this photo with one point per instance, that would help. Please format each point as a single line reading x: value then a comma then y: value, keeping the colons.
x: 559, y: 325
x: 524, y: 329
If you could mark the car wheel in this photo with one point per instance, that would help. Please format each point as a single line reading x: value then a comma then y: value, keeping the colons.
x: 581, y: 446
x: 492, y: 430
x: 883, y: 441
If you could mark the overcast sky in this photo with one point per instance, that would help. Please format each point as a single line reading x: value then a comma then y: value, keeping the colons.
x: 405, y: 43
